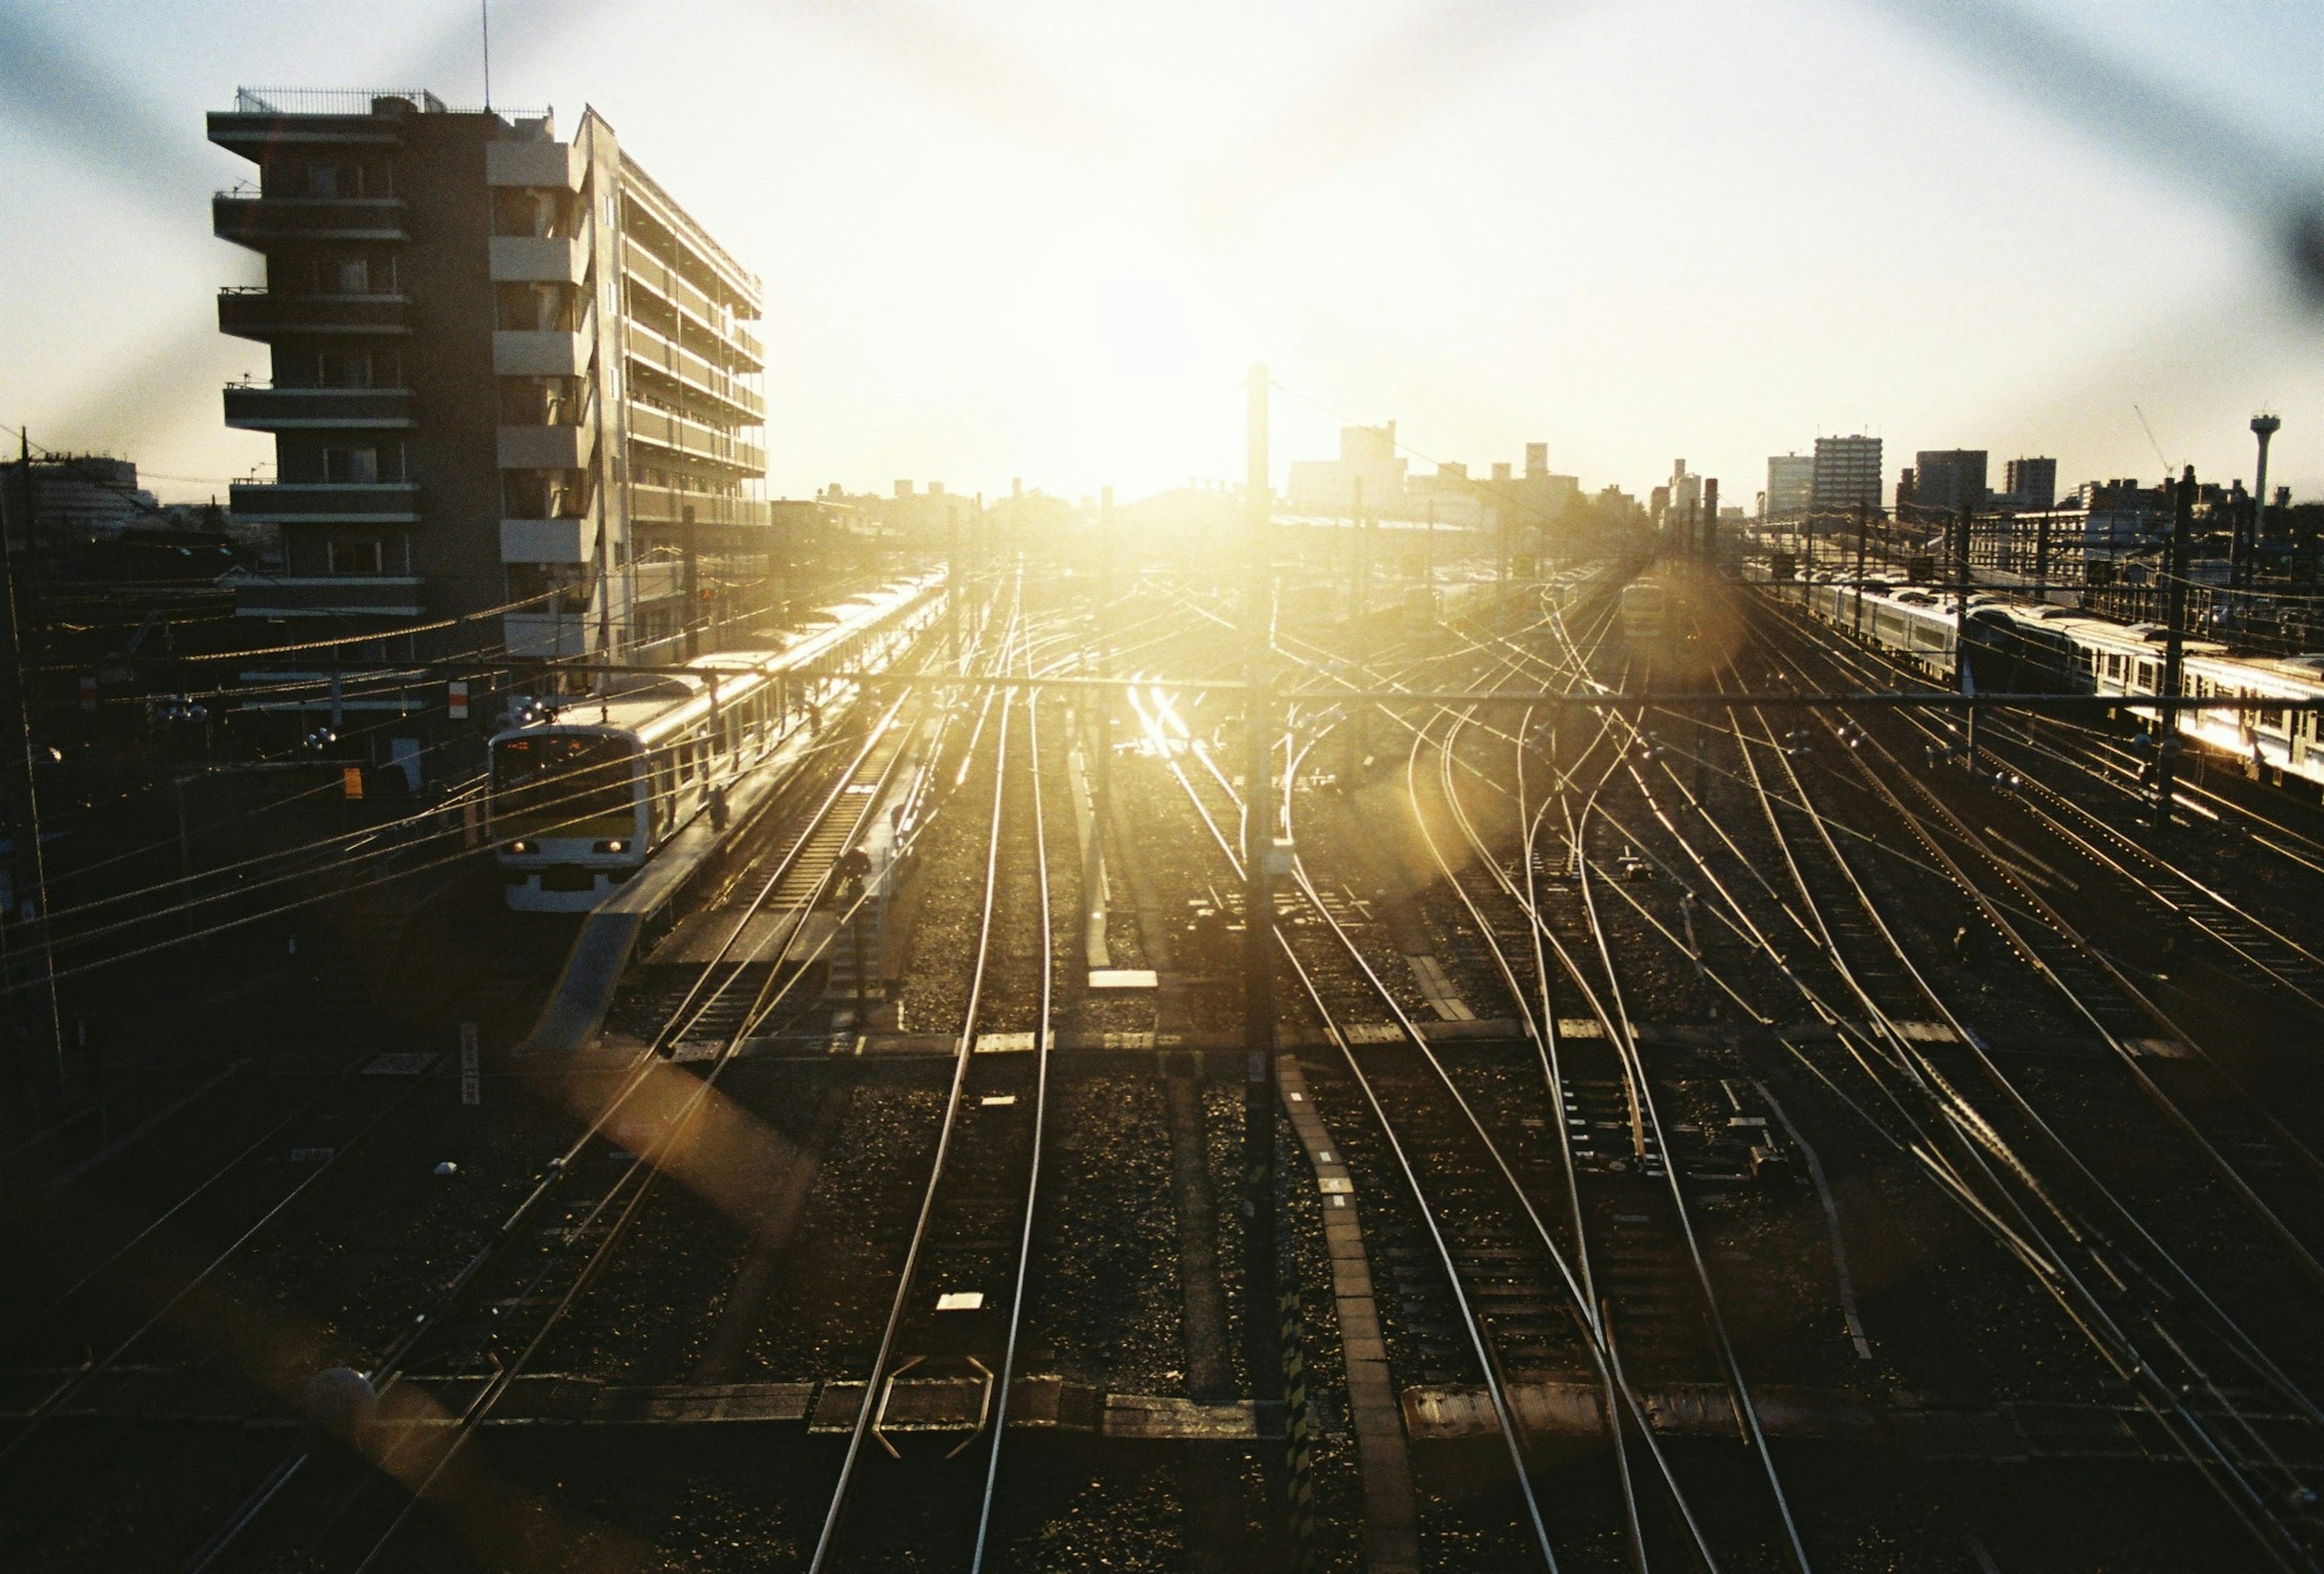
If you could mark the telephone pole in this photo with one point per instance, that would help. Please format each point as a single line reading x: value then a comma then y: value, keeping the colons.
x: 2174, y: 592
x: 1261, y: 1341
x: 24, y: 955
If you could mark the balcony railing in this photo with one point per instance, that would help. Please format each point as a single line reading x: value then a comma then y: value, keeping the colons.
x: 682, y: 294
x: 694, y: 440
x: 261, y: 313
x: 381, y: 503
x: 689, y: 370
x: 662, y: 505
x: 254, y: 220
x: 329, y: 100
x: 255, y: 407
x: 337, y: 595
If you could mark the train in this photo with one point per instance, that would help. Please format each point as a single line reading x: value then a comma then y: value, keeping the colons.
x: 585, y: 789
x: 2016, y: 646
x: 1646, y: 610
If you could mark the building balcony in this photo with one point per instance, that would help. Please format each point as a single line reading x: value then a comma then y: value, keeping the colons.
x: 257, y: 407
x: 662, y: 505
x: 687, y: 298
x: 658, y: 579
x: 337, y: 595
x: 563, y: 541
x: 262, y: 314
x: 548, y: 634
x: 691, y: 372
x: 539, y: 260
x: 692, y: 440
x: 554, y: 166
x: 251, y: 219
x: 549, y: 447
x: 322, y: 502
x: 517, y: 353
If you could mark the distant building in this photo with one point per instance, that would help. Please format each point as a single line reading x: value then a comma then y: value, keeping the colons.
x: 1367, y: 475
x: 506, y: 369
x: 1847, y: 473
x: 2031, y: 485
x: 1949, y: 480
x: 1681, y: 495
x: 1791, y: 485
x: 77, y: 497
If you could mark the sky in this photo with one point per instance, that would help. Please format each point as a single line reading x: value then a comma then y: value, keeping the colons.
x: 1043, y: 241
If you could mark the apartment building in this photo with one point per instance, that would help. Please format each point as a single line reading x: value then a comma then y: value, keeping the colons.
x: 509, y: 372
x: 1846, y: 473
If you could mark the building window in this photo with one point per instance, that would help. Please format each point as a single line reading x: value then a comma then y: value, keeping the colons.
x: 355, y: 558
x: 323, y: 180
x: 350, y: 275
x: 354, y: 466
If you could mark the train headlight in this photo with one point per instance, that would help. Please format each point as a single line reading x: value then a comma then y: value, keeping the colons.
x: 616, y: 845
x: 522, y: 847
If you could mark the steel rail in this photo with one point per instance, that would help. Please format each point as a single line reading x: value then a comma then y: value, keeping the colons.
x: 2160, y: 1097
x: 1504, y: 1415
x: 2256, y: 1512
x: 395, y: 1359
x: 907, y: 1275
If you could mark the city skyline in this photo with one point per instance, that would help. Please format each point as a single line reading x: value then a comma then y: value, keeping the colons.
x: 984, y: 283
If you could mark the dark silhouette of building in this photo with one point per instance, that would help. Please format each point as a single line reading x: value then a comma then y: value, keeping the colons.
x: 507, y: 369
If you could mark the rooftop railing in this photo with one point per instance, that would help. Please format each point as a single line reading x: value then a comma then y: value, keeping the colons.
x: 350, y: 101
x: 329, y: 100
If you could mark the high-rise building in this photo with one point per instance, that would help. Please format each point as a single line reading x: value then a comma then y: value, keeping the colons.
x: 1684, y: 492
x: 1949, y: 480
x: 507, y: 370
x: 1791, y: 485
x: 2031, y: 483
x: 1847, y: 473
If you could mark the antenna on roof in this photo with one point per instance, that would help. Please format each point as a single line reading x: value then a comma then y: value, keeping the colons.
x: 486, y: 8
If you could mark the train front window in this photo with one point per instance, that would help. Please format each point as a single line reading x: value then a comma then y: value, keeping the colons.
x: 562, y: 784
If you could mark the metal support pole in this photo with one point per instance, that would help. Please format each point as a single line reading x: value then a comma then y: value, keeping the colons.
x: 2042, y: 558
x: 1962, y: 677
x: 955, y: 591
x: 1102, y: 703
x: 25, y: 954
x: 1262, y: 1342
x: 2167, y: 745
x: 1863, y: 544
x: 1707, y: 543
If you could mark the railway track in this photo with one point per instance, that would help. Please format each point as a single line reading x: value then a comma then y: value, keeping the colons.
x: 912, y: 1479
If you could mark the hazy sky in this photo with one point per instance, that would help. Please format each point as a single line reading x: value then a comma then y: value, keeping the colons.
x: 1043, y: 240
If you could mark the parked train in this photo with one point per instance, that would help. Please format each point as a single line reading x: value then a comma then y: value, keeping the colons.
x: 589, y: 787
x: 2021, y: 646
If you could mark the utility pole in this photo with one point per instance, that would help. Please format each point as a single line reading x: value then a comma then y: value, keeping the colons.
x: 1863, y: 544
x: 1707, y: 542
x: 1102, y: 701
x: 1963, y: 679
x: 24, y: 954
x: 2166, y: 746
x: 956, y: 592
x: 1261, y: 1330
